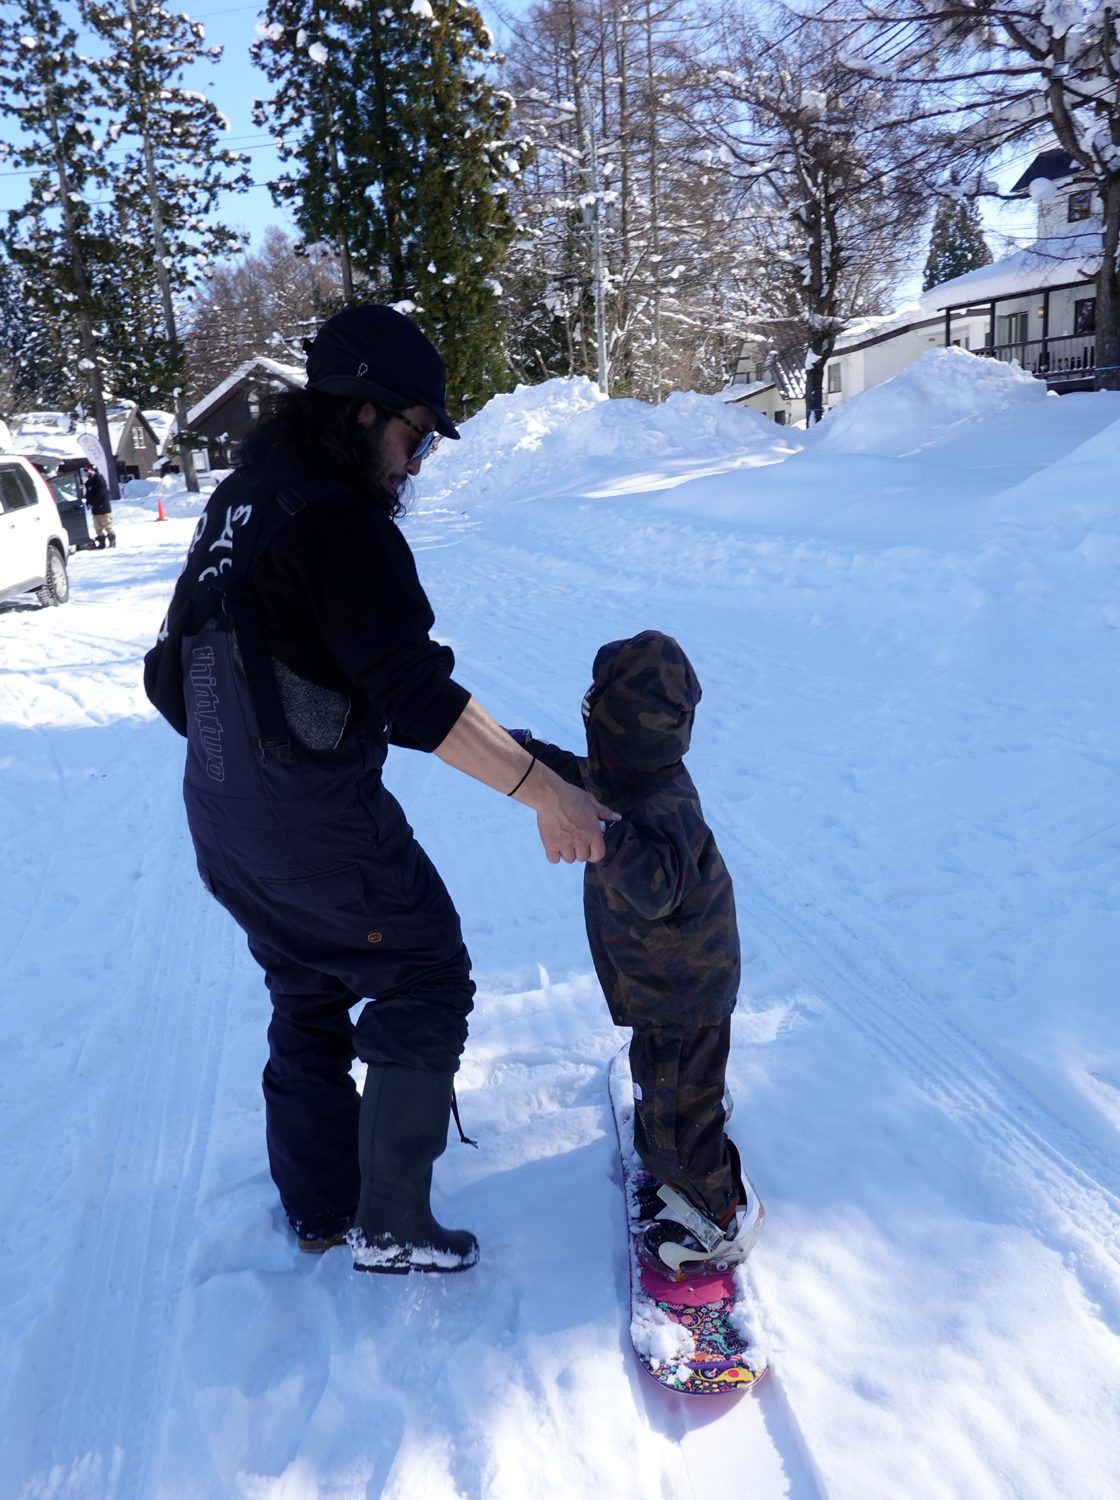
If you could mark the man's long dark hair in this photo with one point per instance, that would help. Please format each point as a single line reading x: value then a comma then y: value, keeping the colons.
x: 323, y: 432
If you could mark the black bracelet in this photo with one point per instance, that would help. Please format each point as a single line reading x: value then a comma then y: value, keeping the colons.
x: 521, y: 783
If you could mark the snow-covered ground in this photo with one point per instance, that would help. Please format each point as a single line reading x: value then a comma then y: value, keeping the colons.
x: 906, y: 624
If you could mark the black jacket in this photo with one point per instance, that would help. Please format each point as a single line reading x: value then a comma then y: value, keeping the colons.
x: 337, y: 597
x: 97, y: 494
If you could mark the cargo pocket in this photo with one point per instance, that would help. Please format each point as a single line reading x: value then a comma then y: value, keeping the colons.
x: 326, y: 892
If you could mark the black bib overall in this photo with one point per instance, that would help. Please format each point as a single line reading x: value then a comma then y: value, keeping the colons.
x: 316, y: 862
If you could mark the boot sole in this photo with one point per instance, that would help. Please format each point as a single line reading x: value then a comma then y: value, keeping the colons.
x: 422, y: 1270
x: 319, y: 1247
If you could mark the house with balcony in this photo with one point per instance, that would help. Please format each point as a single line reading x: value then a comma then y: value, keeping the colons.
x: 1041, y: 303
x: 1036, y: 308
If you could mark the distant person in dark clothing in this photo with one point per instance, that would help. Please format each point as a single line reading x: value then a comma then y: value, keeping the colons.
x: 661, y: 925
x: 297, y: 648
x: 100, y: 506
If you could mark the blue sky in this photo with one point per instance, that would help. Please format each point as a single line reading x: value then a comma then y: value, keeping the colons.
x: 234, y: 83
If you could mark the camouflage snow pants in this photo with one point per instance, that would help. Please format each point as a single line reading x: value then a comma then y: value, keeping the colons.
x: 679, y: 1082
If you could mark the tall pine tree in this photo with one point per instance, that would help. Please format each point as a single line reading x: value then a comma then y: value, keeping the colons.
x: 53, y: 99
x: 956, y: 244
x: 175, y: 164
x: 397, y: 154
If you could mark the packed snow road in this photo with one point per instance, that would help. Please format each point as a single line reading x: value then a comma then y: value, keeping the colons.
x: 905, y: 625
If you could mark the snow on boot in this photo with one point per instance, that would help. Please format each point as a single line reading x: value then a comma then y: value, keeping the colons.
x: 682, y: 1241
x: 402, y: 1129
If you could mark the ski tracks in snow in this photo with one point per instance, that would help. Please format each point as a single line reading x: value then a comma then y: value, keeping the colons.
x: 1042, y: 1174
x: 1068, y: 1183
x: 92, y: 1416
x: 1063, y: 1177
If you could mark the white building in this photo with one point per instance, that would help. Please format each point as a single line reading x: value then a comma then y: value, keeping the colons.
x: 1036, y: 308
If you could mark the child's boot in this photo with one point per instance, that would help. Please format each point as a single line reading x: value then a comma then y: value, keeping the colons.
x: 683, y: 1241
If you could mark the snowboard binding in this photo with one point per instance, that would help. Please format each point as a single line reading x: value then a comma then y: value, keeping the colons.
x: 681, y: 1241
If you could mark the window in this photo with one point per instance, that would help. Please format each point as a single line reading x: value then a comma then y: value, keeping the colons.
x: 1015, y: 328
x: 1080, y: 206
x: 834, y: 386
x: 1085, y: 315
x: 780, y: 417
x: 16, y: 491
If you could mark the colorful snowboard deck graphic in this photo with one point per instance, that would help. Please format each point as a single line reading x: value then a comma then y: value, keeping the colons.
x: 689, y: 1335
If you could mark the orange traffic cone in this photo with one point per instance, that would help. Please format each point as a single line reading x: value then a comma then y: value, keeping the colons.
x: 160, y: 516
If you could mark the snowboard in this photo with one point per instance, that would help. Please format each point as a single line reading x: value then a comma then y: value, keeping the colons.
x: 692, y: 1336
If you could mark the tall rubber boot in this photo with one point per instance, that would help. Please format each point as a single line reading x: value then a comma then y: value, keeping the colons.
x: 402, y: 1129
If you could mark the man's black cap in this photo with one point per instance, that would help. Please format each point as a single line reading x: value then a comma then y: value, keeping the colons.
x: 376, y: 354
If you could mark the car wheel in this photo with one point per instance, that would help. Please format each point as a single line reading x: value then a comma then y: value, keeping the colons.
x: 56, y: 590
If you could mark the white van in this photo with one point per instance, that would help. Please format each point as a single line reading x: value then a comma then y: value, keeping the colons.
x: 33, y: 541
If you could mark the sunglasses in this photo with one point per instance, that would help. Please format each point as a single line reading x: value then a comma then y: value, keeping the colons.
x: 429, y: 437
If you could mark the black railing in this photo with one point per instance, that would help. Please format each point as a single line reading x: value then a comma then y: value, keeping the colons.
x: 1058, y: 361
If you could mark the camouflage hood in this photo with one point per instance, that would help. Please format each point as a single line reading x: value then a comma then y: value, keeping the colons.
x: 640, y: 705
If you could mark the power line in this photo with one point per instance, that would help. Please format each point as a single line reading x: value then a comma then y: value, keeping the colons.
x: 263, y: 145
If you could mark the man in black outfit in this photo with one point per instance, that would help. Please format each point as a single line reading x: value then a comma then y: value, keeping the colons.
x: 295, y: 650
x: 100, y: 507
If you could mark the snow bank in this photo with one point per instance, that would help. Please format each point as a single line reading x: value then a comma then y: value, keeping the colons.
x: 938, y: 392
x: 537, y: 439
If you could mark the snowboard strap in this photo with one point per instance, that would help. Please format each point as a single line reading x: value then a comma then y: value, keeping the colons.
x: 681, y: 1211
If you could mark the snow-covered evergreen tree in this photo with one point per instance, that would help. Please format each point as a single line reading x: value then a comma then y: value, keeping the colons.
x: 957, y: 244
x: 138, y: 362
x: 51, y: 94
x: 398, y: 158
x: 330, y: 183
x: 16, y: 364
x: 174, y: 164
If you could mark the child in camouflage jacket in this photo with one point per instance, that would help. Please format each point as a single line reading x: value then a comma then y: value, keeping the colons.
x: 660, y: 916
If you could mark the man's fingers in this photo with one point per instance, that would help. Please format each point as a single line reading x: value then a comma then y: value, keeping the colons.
x: 571, y: 832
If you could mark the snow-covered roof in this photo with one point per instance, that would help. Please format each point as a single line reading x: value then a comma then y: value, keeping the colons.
x: 41, y: 421
x: 924, y: 310
x: 735, y: 393
x: 54, y: 433
x: 117, y: 419
x: 161, y: 422
x: 57, y: 445
x: 271, y: 369
x: 1058, y: 260
x: 164, y: 425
